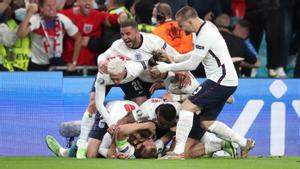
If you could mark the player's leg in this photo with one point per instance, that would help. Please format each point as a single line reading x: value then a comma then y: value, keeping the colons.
x: 87, y: 122
x: 86, y: 125
x: 215, y: 101
x: 184, y: 125
x: 55, y: 147
x: 95, y: 137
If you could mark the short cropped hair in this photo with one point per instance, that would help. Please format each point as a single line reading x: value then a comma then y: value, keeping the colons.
x: 186, y: 13
x: 167, y: 111
x: 115, y: 66
x: 128, y: 22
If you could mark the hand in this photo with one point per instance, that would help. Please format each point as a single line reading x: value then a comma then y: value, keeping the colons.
x: 122, y: 156
x: 32, y: 8
x: 112, y: 129
x: 112, y: 152
x: 71, y: 67
x: 155, y: 86
x: 160, y: 68
x: 102, y: 66
x: 183, y: 79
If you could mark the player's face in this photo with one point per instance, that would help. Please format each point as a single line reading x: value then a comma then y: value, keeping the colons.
x: 49, y: 9
x: 117, y: 78
x: 130, y: 36
x: 186, y: 26
x: 147, y: 148
x: 85, y: 6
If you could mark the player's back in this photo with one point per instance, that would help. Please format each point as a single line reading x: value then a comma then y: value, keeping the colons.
x: 118, y: 109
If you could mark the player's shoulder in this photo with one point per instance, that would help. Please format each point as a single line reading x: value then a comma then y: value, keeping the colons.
x: 118, y: 44
x: 151, y: 37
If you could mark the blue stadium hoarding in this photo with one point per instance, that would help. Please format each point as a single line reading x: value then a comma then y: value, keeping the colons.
x: 33, y: 105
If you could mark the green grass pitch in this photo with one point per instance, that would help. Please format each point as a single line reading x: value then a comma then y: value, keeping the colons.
x: 204, y: 163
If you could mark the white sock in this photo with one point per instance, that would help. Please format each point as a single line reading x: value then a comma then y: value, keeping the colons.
x: 211, y: 147
x: 64, y: 152
x: 184, y: 126
x: 224, y: 132
x: 212, y: 138
x: 86, y: 126
x: 105, y: 144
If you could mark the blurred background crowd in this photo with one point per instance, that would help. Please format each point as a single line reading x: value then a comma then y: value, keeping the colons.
x: 263, y: 36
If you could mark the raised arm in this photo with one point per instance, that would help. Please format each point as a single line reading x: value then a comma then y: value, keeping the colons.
x: 24, y: 28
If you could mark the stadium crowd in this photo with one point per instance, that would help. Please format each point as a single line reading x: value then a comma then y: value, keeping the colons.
x: 141, y: 46
x: 35, y: 48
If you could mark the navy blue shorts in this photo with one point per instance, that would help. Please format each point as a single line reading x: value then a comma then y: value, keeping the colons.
x: 196, y: 132
x: 211, y: 97
x: 98, y: 129
x: 133, y: 89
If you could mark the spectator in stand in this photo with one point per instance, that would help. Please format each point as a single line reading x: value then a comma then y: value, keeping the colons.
x: 143, y: 14
x: 264, y: 16
x: 175, y: 5
x: 65, y: 4
x: 47, y: 30
x: 206, y: 9
x: 286, y: 29
x: 89, y: 22
x: 111, y: 33
x: 14, y: 54
x: 296, y: 39
x: 240, y: 54
x: 169, y: 30
x: 242, y: 29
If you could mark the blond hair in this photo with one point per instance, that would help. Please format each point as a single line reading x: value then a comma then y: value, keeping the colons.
x: 115, y: 66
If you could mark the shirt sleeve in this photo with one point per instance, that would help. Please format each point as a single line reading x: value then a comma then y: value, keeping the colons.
x: 201, y: 48
x: 34, y: 22
x: 69, y: 26
x: 100, y: 86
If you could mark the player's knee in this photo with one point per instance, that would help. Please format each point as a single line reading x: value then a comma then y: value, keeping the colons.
x: 92, y: 149
x: 205, y: 124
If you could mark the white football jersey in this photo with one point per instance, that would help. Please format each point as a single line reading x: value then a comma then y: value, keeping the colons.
x: 172, y: 85
x: 210, y: 48
x: 150, y: 42
x: 134, y: 69
x: 146, y: 111
x: 118, y: 109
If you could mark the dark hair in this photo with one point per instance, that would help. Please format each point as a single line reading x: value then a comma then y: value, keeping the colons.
x: 41, y: 2
x: 128, y: 22
x: 143, y: 11
x: 244, y: 23
x: 167, y: 111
